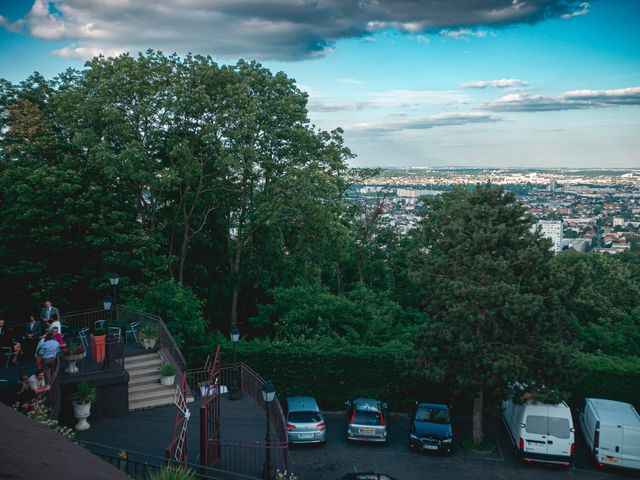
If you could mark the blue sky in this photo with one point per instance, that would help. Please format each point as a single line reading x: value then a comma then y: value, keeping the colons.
x: 552, y: 83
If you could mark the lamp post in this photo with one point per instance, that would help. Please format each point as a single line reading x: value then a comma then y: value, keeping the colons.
x: 114, y: 279
x: 107, y: 302
x: 236, y: 392
x: 268, y: 394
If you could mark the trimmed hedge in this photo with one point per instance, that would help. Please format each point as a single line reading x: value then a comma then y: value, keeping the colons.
x: 334, y: 373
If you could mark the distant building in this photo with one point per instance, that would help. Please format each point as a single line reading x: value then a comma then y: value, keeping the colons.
x: 619, y: 222
x: 551, y: 229
x: 553, y: 185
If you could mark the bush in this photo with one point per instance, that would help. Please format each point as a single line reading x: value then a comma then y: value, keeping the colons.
x: 173, y: 473
x: 168, y: 370
x: 85, y: 393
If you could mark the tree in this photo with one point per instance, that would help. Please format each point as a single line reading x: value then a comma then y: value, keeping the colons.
x: 488, y: 288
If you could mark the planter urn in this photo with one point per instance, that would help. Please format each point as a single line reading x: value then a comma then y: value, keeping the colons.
x: 82, y: 411
x: 71, y: 362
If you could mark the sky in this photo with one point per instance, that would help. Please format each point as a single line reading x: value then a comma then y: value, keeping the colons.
x: 419, y: 83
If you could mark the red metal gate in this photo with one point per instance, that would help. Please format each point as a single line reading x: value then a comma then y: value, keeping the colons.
x: 210, y: 414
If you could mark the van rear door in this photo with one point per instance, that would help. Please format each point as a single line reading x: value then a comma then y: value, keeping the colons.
x: 535, y: 434
x: 610, y: 444
x: 560, y: 437
x: 631, y: 448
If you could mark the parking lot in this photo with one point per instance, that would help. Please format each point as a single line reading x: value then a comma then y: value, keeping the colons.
x: 339, y: 457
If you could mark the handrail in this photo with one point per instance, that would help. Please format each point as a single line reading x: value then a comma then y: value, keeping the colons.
x: 52, y: 398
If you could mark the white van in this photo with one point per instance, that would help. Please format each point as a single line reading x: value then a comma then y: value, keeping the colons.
x: 612, y: 432
x: 540, y: 432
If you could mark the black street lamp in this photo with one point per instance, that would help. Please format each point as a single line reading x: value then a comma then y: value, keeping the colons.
x: 268, y: 394
x: 114, y: 279
x: 236, y: 392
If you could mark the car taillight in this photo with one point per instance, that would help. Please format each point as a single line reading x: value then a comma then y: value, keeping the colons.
x: 353, y: 415
x: 521, y: 444
x: 321, y: 426
x: 573, y: 449
x: 596, y: 438
x: 290, y: 427
x: 381, y: 419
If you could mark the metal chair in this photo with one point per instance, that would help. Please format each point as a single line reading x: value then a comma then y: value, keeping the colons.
x: 10, y: 353
x: 64, y: 330
x: 83, y: 336
x: 115, y: 332
x: 132, y: 330
x: 99, y: 324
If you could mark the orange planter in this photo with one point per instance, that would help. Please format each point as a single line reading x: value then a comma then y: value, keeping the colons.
x: 98, y: 348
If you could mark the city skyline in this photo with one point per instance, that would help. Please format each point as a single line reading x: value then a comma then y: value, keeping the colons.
x: 498, y: 83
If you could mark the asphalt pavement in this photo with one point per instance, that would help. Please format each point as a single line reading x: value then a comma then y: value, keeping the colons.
x: 339, y: 457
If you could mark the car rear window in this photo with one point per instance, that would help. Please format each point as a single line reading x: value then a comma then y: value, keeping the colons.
x: 304, y: 417
x: 367, y: 418
x: 536, y: 424
x: 559, y: 427
x: 432, y: 415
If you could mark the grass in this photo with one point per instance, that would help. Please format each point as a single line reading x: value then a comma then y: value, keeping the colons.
x: 484, y: 447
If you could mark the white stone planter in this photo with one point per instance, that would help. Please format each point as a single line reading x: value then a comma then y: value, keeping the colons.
x: 168, y: 381
x: 149, y: 343
x: 81, y: 411
x: 71, y: 362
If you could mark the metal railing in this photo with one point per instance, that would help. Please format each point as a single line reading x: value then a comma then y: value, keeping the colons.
x: 247, y: 458
x: 140, y: 465
x: 52, y: 398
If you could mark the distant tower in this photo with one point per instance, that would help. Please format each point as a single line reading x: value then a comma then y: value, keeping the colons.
x: 553, y: 185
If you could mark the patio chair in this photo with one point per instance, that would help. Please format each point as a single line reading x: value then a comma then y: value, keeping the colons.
x: 83, y: 336
x: 132, y: 330
x: 10, y: 353
x: 99, y: 324
x: 115, y: 332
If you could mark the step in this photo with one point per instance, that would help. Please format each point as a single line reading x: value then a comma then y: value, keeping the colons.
x: 146, y: 403
x: 140, y: 358
x: 145, y: 387
x: 143, y: 371
x: 144, y: 379
x: 164, y: 392
x: 145, y: 363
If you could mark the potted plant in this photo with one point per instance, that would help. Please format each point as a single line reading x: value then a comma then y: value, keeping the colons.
x: 98, y: 350
x: 168, y: 372
x: 72, y: 354
x: 82, y: 398
x: 149, y: 334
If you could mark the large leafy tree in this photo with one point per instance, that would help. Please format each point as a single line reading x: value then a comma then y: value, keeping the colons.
x: 488, y: 286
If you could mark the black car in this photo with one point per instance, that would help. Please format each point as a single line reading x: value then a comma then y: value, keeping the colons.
x: 431, y: 428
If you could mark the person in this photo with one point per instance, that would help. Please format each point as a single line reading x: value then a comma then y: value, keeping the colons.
x: 24, y: 395
x: 7, y: 341
x: 32, y: 332
x: 38, y: 383
x: 57, y: 337
x: 48, y: 351
x: 55, y: 322
x: 48, y: 311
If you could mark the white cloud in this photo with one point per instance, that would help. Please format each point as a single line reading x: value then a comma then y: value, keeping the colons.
x: 584, y: 9
x: 389, y: 99
x: 263, y: 29
x: 350, y: 81
x: 446, y: 119
x: 502, y: 83
x: 572, y: 100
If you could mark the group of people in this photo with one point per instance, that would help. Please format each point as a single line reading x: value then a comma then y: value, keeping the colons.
x: 41, y: 338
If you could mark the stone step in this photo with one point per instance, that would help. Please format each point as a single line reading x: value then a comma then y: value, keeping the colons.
x: 150, y: 403
x: 143, y: 371
x: 163, y: 392
x: 140, y: 358
x: 146, y: 363
x: 144, y: 379
x: 146, y: 386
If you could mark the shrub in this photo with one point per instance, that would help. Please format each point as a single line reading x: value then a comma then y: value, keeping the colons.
x: 167, y: 369
x: 85, y: 393
x: 173, y: 473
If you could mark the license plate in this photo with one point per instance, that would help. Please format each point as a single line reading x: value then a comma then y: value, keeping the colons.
x: 611, y: 459
x: 305, y: 435
x: 367, y: 430
x: 429, y: 447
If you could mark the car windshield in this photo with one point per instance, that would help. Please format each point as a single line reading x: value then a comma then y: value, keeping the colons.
x: 432, y: 415
x: 367, y: 418
x: 305, y: 417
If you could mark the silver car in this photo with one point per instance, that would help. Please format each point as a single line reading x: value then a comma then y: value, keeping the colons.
x: 366, y: 420
x: 305, y: 422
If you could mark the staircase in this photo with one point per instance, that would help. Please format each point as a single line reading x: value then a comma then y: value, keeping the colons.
x: 145, y: 389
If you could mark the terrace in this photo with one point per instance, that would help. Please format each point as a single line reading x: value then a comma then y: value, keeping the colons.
x: 139, y: 425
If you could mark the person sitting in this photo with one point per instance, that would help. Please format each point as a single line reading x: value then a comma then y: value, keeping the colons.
x: 38, y: 383
x: 48, y: 351
x: 32, y: 332
x: 7, y: 341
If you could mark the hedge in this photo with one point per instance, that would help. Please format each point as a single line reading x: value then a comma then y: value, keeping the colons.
x: 334, y: 373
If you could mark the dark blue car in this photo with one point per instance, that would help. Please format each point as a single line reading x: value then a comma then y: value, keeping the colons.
x: 431, y: 428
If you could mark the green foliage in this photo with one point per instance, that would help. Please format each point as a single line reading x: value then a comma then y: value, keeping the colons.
x: 173, y: 473
x: 149, y: 331
x: 40, y: 414
x: 167, y: 369
x: 177, y: 305
x: 84, y: 393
